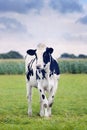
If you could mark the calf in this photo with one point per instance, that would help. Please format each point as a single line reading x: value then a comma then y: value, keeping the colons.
x: 42, y: 72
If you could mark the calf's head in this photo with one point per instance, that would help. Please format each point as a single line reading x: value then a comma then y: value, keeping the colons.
x: 43, y: 56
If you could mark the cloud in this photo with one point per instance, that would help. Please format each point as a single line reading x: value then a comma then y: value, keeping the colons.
x: 66, y: 6
x: 82, y: 20
x: 81, y: 37
x: 20, y: 6
x: 24, y: 6
x: 25, y: 23
x: 11, y: 25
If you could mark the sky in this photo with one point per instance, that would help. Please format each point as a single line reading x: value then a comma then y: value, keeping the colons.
x: 61, y: 24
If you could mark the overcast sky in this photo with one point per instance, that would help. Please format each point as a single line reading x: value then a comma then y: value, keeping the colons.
x: 61, y: 24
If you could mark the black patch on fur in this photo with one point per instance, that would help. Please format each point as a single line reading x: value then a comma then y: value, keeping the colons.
x: 31, y: 52
x: 43, y: 74
x: 30, y: 69
x: 50, y: 105
x: 43, y: 96
x: 40, y: 90
x: 54, y: 67
x: 45, y: 105
x: 37, y: 76
x: 29, y: 74
x: 52, y: 96
x: 47, y: 57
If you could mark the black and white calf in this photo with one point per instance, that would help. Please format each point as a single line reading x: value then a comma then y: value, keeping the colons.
x: 42, y: 72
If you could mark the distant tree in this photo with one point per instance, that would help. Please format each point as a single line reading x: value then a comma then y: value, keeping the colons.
x: 11, y: 55
x: 66, y: 55
x: 82, y: 56
x: 72, y: 56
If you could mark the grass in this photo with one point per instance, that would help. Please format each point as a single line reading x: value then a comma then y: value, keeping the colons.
x: 69, y: 110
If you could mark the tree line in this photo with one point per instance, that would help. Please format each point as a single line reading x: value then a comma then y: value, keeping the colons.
x: 72, y: 56
x: 11, y: 55
x: 17, y: 55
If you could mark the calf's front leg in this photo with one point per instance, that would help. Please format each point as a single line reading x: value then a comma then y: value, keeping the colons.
x: 29, y: 97
x: 43, y: 102
x: 51, y: 96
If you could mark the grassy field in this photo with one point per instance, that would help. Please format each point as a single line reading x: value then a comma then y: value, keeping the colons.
x: 69, y: 110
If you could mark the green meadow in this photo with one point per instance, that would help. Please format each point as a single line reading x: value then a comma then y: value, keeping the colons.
x: 69, y: 111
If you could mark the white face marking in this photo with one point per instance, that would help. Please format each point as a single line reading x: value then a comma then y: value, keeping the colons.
x: 40, y: 57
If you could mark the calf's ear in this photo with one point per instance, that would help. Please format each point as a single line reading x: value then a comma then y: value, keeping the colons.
x: 49, y: 50
x: 31, y: 52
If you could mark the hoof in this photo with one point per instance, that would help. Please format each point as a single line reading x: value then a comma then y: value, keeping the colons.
x: 41, y: 114
x: 29, y: 114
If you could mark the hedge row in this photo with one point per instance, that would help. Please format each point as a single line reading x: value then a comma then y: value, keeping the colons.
x: 12, y: 67
x: 73, y: 66
x: 66, y: 66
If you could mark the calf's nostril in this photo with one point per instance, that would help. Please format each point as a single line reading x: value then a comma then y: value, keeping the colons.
x: 38, y: 66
